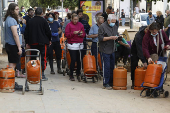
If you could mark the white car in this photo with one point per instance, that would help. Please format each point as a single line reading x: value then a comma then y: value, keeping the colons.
x: 140, y: 20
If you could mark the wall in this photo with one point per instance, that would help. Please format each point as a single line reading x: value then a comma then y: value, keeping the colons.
x: 126, y: 6
x: 159, y: 6
x: 142, y: 5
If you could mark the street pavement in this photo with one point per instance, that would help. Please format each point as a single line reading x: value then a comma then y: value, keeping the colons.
x: 64, y: 96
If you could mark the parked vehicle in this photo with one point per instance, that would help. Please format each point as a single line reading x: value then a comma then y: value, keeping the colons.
x: 140, y: 20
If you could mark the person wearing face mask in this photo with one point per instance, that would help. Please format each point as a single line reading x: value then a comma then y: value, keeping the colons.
x: 93, y: 33
x: 55, y: 30
x: 137, y: 52
x: 23, y: 11
x: 75, y: 33
x: 154, y: 41
x: 30, y: 15
x: 107, y: 34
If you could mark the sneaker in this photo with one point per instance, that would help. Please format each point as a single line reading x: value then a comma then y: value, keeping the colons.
x: 20, y: 75
x: 44, y: 78
x: 108, y: 87
x: 72, y: 79
x: 52, y: 72
x: 18, y: 87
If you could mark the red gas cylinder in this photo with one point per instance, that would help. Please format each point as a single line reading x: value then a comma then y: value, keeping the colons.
x: 139, y: 77
x: 89, y: 65
x: 120, y: 78
x: 99, y: 61
x: 7, y: 79
x: 153, y: 75
x: 33, y: 71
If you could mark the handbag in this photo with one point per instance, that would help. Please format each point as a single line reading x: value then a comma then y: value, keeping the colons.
x: 155, y: 56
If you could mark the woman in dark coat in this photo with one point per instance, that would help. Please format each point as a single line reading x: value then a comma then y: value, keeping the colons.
x: 160, y: 19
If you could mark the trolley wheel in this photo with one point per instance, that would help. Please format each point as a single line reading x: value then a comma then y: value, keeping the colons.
x: 42, y: 91
x: 23, y: 90
x: 27, y: 88
x: 148, y: 93
x: 79, y: 78
x: 93, y: 78
x: 64, y: 73
x: 68, y: 73
x: 63, y: 63
x: 166, y: 94
x: 155, y: 94
x: 85, y: 79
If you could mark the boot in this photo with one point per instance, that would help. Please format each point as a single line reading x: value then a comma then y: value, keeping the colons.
x: 20, y: 75
x: 132, y: 87
x: 58, y: 66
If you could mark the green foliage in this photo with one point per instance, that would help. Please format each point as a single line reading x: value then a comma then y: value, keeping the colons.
x: 24, y: 3
x: 54, y: 3
x: 33, y: 3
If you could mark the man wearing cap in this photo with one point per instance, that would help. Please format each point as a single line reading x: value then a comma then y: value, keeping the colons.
x: 150, y: 19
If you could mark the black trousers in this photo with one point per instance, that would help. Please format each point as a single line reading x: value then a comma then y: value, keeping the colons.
x: 83, y: 52
x: 75, y: 56
x: 43, y: 49
x: 122, y: 51
x: 134, y: 64
x: 57, y: 48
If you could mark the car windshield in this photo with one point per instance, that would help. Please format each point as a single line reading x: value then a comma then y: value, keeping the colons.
x: 144, y: 16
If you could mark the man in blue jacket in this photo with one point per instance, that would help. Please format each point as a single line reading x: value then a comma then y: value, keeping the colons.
x: 150, y: 19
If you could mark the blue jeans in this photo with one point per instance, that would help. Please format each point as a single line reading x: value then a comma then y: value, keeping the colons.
x: 108, y: 67
x: 123, y: 21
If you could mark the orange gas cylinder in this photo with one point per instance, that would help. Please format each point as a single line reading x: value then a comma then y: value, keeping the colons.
x: 99, y: 61
x: 89, y: 65
x: 7, y: 79
x: 69, y: 60
x: 153, y: 75
x: 62, y: 54
x: 139, y: 77
x: 22, y: 62
x: 120, y: 78
x: 33, y: 71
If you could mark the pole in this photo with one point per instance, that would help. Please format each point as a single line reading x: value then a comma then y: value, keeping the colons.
x: 62, y: 9
x: 131, y: 14
x: 110, y: 2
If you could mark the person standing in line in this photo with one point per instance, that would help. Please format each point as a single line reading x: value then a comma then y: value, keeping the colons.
x: 56, y: 30
x: 38, y: 36
x: 93, y: 33
x: 107, y: 35
x: 123, y: 17
x: 12, y: 35
x: 75, y: 33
